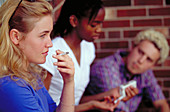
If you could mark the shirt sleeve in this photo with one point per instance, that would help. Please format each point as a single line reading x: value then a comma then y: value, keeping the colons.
x: 88, y: 50
x: 153, y: 90
x: 103, y: 76
x: 51, y: 104
x: 97, y: 82
x: 19, y: 98
x: 92, y: 48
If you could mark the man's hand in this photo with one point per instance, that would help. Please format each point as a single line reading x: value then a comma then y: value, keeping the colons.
x: 130, y: 92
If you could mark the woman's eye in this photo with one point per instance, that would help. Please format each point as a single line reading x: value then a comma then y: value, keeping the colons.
x: 92, y: 25
x: 43, y: 35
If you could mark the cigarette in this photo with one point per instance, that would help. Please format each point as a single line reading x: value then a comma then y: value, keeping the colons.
x: 120, y: 98
x: 64, y: 53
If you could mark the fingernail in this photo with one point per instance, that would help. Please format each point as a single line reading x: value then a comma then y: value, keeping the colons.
x: 53, y: 55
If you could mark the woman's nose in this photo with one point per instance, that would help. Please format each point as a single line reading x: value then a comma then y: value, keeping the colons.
x: 49, y: 43
x: 99, y: 29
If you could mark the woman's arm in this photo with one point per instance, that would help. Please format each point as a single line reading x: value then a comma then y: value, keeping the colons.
x: 66, y: 68
x: 113, y: 93
x: 107, y: 104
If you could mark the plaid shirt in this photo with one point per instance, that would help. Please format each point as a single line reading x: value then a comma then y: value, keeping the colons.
x: 111, y: 72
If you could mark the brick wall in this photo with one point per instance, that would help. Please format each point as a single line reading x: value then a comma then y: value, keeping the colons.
x: 124, y: 19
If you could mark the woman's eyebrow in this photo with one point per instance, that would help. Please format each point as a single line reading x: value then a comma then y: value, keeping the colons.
x: 46, y: 31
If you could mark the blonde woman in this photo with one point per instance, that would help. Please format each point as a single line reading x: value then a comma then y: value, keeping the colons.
x: 25, y: 27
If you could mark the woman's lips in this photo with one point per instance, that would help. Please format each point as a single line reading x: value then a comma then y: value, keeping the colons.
x: 95, y: 37
x: 45, y: 53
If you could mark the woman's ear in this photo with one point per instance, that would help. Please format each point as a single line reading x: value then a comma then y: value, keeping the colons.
x: 73, y: 20
x: 14, y: 36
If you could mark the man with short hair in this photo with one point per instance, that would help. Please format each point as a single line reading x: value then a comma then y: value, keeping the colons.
x: 150, y: 48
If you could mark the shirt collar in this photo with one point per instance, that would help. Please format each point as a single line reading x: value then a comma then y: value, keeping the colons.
x: 123, y: 68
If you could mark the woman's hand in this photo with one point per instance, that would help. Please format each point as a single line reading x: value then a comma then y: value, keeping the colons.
x: 107, y: 104
x: 65, y: 66
x: 130, y: 92
x: 113, y: 93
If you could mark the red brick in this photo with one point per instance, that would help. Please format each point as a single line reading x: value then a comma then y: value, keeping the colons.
x: 95, y: 44
x: 117, y: 2
x: 148, y: 2
x: 166, y: 93
x: 158, y: 65
x: 114, y: 45
x: 166, y: 83
x: 131, y: 12
x: 114, y: 34
x: 168, y: 41
x: 167, y: 62
x: 122, y: 23
x: 104, y: 54
x: 148, y: 22
x: 102, y: 35
x: 167, y: 21
x: 131, y: 34
x: 160, y: 83
x: 159, y: 11
x: 163, y: 30
x: 162, y: 73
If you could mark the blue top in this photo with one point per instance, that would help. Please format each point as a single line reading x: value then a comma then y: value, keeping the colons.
x: 19, y: 96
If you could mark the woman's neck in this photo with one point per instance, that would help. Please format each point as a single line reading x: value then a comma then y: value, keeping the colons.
x: 74, y: 43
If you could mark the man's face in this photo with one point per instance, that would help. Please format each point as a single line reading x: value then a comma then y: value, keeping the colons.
x: 142, y: 57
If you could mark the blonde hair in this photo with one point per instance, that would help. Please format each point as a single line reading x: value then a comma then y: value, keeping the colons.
x: 12, y: 59
x: 158, y: 39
